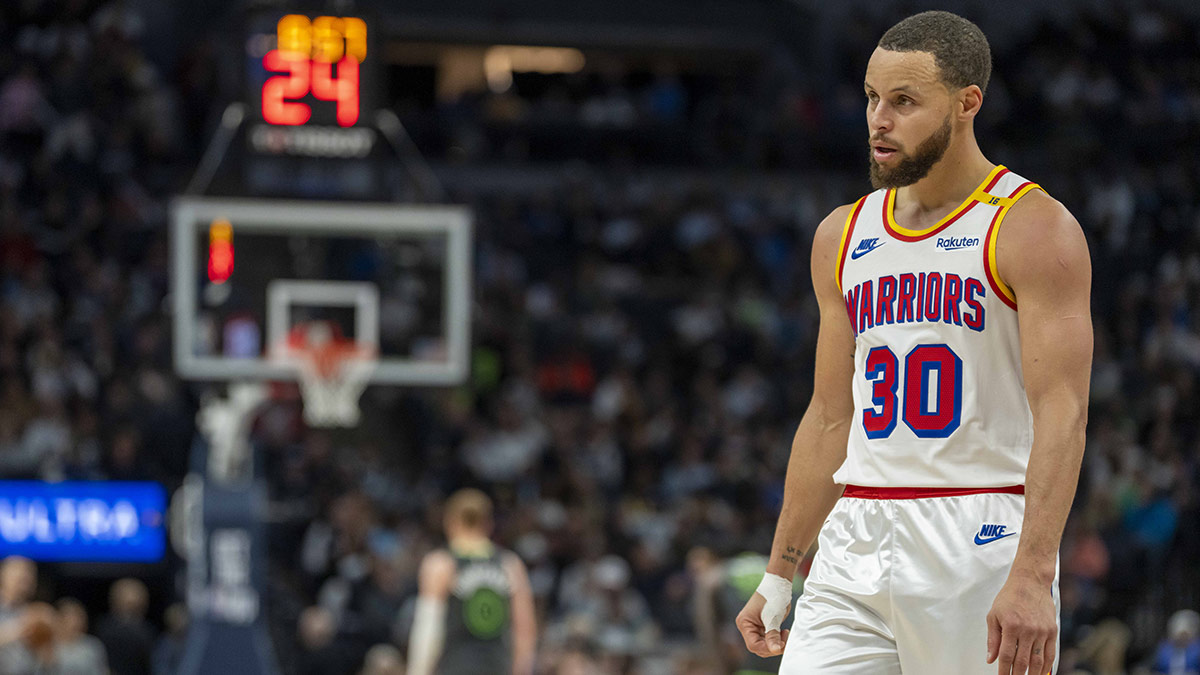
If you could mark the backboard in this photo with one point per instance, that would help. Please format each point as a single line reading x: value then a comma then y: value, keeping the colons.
x: 392, y: 278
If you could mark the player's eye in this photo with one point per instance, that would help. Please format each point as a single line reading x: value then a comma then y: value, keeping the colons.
x: 904, y: 100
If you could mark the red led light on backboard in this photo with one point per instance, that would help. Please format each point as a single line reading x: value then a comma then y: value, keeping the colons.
x: 220, y: 251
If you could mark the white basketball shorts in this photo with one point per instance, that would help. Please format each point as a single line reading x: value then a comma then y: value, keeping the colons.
x: 903, y: 582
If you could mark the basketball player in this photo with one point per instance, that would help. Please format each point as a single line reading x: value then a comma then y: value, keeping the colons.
x: 940, y: 452
x: 474, y: 606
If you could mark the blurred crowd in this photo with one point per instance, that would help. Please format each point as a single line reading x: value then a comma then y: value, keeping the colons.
x: 39, y: 637
x: 643, y: 340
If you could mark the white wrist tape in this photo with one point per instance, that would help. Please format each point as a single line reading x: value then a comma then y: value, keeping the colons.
x: 778, y: 592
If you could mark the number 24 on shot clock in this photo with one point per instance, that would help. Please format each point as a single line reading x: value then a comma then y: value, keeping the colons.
x: 320, y: 57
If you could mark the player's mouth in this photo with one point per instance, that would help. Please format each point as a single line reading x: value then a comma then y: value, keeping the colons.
x: 882, y: 153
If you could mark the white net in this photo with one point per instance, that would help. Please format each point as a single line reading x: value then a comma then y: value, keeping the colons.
x: 331, y: 399
x: 332, y: 373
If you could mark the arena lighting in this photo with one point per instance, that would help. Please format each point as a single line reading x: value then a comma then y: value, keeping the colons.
x: 501, y: 61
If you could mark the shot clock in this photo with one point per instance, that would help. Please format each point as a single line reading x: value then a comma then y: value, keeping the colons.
x: 308, y: 84
x: 318, y: 56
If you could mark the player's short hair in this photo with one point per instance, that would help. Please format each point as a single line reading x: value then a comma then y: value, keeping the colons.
x: 959, y: 48
x: 470, y: 508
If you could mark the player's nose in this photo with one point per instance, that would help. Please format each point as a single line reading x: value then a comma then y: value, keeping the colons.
x: 879, y: 120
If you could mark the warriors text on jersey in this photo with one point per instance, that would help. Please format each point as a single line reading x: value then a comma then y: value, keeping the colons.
x: 938, y: 388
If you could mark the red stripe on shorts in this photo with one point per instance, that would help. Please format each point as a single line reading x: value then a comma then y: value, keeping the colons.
x: 863, y: 492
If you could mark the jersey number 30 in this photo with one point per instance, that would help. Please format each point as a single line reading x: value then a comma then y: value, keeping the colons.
x: 932, y: 391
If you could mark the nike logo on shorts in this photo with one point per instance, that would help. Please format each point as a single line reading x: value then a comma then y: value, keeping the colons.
x: 989, y: 533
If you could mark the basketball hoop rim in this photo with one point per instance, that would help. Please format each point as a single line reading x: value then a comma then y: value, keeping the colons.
x: 331, y: 377
x: 300, y: 357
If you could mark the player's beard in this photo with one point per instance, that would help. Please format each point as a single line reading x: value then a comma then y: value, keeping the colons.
x: 916, y: 166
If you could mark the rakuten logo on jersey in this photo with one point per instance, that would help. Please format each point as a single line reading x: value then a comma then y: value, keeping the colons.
x: 957, y: 243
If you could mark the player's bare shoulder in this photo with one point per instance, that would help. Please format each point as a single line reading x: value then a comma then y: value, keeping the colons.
x: 437, y: 572
x: 1039, y: 218
x: 1041, y: 241
x: 827, y: 242
x: 513, y: 565
x: 829, y: 231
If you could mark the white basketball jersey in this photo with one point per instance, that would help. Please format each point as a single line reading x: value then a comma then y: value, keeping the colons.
x: 938, y: 391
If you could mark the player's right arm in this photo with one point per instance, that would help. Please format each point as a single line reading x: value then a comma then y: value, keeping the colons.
x: 434, y: 581
x: 818, y: 448
x: 524, y: 620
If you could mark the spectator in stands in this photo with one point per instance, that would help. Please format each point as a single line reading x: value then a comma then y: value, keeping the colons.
x: 18, y: 583
x: 321, y: 653
x: 617, y: 614
x: 1101, y: 649
x: 34, y: 650
x: 380, y: 597
x: 127, y: 636
x: 169, y: 650
x: 1179, y: 653
x: 383, y: 660
x: 76, y: 652
x: 338, y: 545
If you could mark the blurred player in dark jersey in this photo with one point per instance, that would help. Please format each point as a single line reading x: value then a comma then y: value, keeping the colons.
x: 475, y: 609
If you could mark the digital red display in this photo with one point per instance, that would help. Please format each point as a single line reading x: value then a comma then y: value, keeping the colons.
x: 321, y: 57
x: 220, y: 251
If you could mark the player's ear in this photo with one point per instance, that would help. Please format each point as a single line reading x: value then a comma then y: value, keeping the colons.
x: 968, y: 102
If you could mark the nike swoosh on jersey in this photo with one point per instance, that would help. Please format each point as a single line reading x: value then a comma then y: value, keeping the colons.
x: 860, y: 251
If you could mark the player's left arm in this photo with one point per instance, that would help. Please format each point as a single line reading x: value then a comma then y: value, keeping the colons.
x: 524, y: 619
x: 1042, y: 255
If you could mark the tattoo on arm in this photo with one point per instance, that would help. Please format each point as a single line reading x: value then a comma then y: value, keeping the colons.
x: 792, y: 555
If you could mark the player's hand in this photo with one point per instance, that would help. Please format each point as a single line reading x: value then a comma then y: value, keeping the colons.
x: 760, y: 619
x: 759, y: 640
x: 1022, y: 631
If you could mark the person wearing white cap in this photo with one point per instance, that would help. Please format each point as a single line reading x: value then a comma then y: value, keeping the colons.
x: 1179, y: 654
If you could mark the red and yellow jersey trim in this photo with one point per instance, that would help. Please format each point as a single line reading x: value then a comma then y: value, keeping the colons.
x: 847, y: 235
x: 1003, y: 291
x: 978, y: 196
